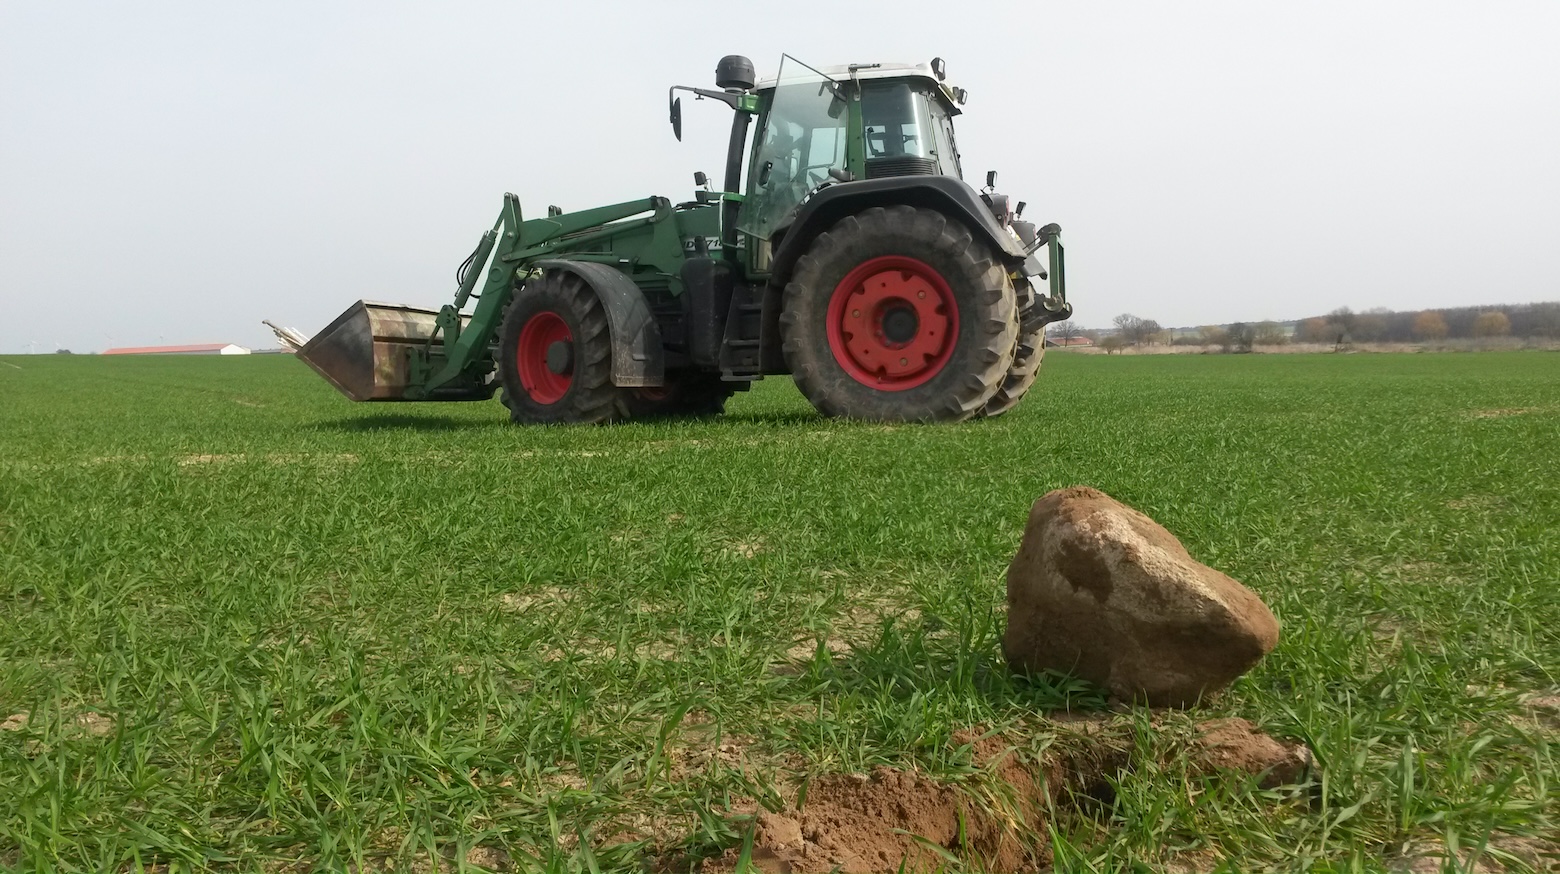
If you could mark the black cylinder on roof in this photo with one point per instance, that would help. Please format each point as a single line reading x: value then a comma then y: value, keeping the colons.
x: 734, y: 72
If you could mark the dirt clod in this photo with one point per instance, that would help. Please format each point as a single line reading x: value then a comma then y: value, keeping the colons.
x: 489, y: 858
x: 1236, y: 745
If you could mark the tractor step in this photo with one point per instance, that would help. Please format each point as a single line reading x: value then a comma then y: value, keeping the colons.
x: 741, y: 353
x: 364, y: 353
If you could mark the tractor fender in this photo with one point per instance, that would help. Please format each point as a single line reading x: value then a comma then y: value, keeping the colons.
x: 637, y: 357
x: 948, y: 195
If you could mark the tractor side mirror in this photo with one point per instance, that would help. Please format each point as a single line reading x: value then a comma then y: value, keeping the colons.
x: 1020, y: 212
x: 677, y: 118
x: 991, y: 179
x: 700, y: 179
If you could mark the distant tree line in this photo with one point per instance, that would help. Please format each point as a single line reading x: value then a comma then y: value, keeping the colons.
x: 1339, y: 327
x: 1388, y: 326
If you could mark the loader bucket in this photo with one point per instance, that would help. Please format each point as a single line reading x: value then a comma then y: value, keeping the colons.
x: 363, y: 353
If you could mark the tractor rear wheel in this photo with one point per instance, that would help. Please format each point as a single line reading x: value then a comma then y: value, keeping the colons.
x: 1027, y: 356
x: 694, y: 394
x: 555, y: 354
x: 899, y: 314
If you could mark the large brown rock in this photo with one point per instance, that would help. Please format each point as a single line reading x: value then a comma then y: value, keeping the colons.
x: 1101, y: 591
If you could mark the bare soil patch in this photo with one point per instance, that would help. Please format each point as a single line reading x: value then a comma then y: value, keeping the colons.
x: 286, y: 458
x: 1504, y: 852
x: 1502, y: 413
x: 1236, y: 745
x: 84, y: 724
x: 894, y: 819
x: 1544, y: 709
x: 546, y: 597
x: 853, y: 629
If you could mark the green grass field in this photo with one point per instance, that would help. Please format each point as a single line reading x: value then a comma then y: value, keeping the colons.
x: 248, y: 625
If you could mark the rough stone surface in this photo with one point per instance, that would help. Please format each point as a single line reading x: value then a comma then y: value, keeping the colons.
x: 1101, y: 591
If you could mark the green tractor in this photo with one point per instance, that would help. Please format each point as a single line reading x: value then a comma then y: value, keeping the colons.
x: 856, y: 259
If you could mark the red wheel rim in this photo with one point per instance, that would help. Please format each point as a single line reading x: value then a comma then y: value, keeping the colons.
x: 541, y: 331
x: 892, y: 323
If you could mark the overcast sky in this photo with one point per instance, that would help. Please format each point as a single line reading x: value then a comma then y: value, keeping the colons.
x: 176, y: 172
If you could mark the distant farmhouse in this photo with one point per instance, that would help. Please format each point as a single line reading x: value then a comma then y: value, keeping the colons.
x: 1062, y: 342
x: 197, y: 349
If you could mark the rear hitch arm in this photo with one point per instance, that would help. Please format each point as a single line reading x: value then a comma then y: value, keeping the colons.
x: 1054, y: 306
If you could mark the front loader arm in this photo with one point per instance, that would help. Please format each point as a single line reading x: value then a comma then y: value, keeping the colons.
x: 459, y: 348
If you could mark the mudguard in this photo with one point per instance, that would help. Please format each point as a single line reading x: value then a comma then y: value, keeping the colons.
x: 947, y: 194
x: 637, y: 357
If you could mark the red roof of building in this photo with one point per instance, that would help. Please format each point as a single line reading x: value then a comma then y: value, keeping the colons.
x: 152, y: 350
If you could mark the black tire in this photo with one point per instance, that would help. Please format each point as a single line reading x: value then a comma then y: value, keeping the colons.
x: 952, y: 385
x: 1028, y: 354
x: 557, y: 297
x: 693, y: 394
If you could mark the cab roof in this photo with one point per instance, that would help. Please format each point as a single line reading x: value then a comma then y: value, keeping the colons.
x: 866, y: 72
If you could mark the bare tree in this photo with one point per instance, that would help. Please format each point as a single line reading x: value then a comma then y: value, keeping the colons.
x: 1064, y: 332
x: 1242, y: 336
x: 1340, y: 323
x: 1214, y: 335
x: 1371, y: 325
x: 1269, y: 334
x: 1136, y: 331
x: 1545, y: 320
x: 1127, y: 325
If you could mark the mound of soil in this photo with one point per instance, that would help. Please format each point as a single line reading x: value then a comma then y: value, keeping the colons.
x: 878, y: 822
x: 995, y: 821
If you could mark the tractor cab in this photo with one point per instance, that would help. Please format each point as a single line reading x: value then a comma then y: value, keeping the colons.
x: 842, y: 124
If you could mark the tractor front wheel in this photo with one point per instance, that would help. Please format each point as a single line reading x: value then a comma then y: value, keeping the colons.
x: 899, y: 314
x: 555, y: 354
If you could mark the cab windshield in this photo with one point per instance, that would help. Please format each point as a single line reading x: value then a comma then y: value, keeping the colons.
x: 802, y: 140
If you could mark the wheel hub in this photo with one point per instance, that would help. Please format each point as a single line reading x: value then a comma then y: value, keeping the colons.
x: 560, y: 357
x: 899, y: 324
x: 892, y: 323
